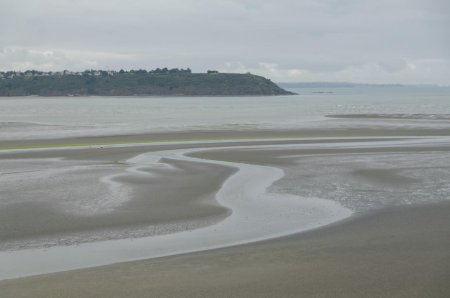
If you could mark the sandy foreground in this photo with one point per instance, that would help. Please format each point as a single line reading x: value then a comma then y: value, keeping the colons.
x: 387, y: 251
x: 400, y: 252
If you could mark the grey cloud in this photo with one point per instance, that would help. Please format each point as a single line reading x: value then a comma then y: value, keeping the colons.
x: 323, y: 38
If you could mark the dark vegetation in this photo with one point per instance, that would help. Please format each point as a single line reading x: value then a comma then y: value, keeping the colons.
x: 134, y: 82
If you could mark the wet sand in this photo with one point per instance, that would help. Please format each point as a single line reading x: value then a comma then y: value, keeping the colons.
x: 443, y: 117
x: 172, y: 199
x: 260, y: 215
x: 393, y: 252
x: 397, y: 252
x: 164, y: 201
x: 223, y: 135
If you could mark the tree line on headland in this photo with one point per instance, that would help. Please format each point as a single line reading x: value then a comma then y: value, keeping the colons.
x: 160, y: 81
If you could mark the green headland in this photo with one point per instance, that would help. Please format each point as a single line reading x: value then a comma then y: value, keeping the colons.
x: 134, y: 82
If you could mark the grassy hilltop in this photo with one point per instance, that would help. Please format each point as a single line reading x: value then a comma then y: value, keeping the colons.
x: 134, y: 82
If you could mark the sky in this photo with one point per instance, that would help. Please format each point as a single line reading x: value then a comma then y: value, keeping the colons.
x: 364, y: 41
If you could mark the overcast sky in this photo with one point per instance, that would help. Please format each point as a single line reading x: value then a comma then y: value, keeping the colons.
x: 374, y: 41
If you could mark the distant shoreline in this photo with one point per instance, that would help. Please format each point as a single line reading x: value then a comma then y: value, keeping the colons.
x: 159, y: 82
x: 339, y: 85
x: 142, y: 95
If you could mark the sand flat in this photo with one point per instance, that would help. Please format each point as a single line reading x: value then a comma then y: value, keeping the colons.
x: 81, y: 207
x: 227, y: 135
x: 255, y: 215
x: 399, y: 251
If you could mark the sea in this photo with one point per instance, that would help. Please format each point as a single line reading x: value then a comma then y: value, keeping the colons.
x: 55, y: 117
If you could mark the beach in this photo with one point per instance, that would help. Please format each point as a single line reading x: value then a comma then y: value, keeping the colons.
x: 341, y: 195
x: 399, y: 252
x: 225, y: 149
x: 393, y: 245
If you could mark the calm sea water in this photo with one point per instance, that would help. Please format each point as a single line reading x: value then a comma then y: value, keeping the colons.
x: 41, y: 117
